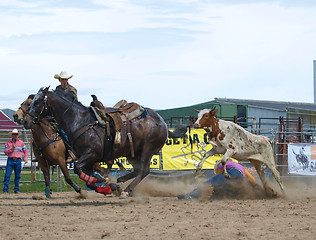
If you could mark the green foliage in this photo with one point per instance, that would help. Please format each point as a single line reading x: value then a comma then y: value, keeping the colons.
x: 38, y: 183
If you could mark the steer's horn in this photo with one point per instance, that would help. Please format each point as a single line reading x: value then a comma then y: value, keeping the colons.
x: 213, y: 109
x: 197, y: 110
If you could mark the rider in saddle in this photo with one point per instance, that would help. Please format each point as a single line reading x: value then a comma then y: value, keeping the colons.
x: 65, y: 87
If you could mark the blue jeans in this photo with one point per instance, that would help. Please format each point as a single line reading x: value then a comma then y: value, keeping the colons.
x: 218, y: 181
x: 64, y: 135
x: 15, y: 165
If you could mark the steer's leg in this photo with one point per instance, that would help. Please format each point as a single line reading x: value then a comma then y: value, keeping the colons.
x: 224, y: 160
x: 269, y: 191
x: 270, y: 164
x: 206, y: 155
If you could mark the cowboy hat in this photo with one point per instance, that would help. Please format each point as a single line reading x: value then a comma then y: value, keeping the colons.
x: 14, y: 131
x: 63, y: 75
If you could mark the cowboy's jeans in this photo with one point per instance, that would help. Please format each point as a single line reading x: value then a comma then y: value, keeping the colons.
x: 15, y: 165
x: 218, y: 181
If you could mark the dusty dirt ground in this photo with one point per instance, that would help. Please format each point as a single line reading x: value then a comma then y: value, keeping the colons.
x: 156, y: 213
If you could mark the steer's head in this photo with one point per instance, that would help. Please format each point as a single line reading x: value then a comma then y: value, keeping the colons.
x: 205, y: 118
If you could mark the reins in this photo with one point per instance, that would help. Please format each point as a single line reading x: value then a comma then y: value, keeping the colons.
x: 68, y: 107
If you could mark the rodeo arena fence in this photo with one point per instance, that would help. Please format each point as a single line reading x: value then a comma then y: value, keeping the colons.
x: 294, y: 149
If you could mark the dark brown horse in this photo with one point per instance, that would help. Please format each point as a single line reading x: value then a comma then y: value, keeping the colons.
x: 92, y: 143
x: 49, y: 148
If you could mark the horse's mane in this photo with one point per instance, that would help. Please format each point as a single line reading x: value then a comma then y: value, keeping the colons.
x: 68, y: 97
x: 31, y: 96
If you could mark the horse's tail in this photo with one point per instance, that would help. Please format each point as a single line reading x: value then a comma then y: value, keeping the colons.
x: 180, y: 131
x: 190, y: 139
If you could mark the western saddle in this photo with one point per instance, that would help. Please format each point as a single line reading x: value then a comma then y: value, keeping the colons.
x: 122, y: 113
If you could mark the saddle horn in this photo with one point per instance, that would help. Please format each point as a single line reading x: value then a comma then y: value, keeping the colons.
x: 94, y: 97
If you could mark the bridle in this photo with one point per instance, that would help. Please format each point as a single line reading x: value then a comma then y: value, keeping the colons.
x: 38, y: 117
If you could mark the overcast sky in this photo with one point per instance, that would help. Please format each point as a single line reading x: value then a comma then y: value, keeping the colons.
x: 159, y: 53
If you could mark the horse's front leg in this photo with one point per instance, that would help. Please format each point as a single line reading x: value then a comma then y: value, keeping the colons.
x: 63, y: 167
x: 45, y: 169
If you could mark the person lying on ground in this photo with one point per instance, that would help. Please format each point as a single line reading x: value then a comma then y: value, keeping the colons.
x: 219, y: 183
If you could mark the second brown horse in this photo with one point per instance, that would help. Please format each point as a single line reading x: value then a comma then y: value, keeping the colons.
x: 49, y: 148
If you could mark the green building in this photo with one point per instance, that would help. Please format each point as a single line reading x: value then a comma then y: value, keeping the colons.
x: 188, y: 115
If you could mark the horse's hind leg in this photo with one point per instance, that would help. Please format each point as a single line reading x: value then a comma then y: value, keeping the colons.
x: 141, y: 170
x: 127, y: 176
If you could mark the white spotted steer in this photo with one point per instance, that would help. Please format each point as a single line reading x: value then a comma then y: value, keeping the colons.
x: 234, y: 141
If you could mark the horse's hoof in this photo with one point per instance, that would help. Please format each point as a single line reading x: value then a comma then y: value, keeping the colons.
x: 271, y: 193
x: 116, y: 189
x: 48, y: 192
x: 124, y: 195
x: 107, y: 180
x: 101, y: 179
x: 83, y: 194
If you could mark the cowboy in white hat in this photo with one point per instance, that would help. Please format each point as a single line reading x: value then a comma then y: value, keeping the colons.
x: 64, y: 86
x: 14, y: 149
x: 14, y: 133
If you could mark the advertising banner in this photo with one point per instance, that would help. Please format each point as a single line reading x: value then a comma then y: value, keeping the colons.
x: 177, y: 155
x: 154, y: 163
x: 302, y: 158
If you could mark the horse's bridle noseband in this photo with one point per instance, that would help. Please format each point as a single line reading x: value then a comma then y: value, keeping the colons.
x: 36, y: 118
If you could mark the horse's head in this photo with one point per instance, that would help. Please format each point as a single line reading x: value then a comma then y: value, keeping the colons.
x: 37, y: 108
x: 23, y: 110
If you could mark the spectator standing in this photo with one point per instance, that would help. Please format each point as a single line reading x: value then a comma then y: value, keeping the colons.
x: 14, y: 149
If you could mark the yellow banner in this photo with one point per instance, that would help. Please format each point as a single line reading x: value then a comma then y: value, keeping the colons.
x: 177, y: 155
x: 154, y: 163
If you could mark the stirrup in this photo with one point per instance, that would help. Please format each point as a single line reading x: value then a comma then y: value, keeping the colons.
x: 69, y: 160
x: 72, y: 155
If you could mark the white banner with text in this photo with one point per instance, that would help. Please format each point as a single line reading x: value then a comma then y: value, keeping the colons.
x: 302, y: 158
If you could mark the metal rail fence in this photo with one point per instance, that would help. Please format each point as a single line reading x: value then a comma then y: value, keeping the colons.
x: 281, y: 132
